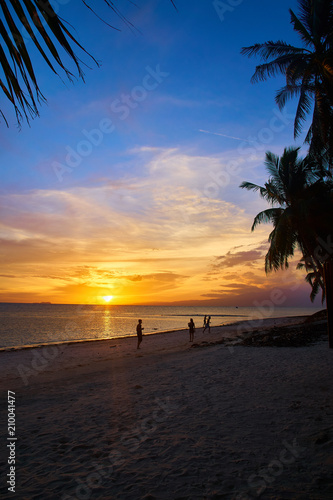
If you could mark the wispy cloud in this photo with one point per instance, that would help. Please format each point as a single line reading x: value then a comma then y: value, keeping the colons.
x: 233, y: 259
x: 224, y: 135
x: 115, y: 237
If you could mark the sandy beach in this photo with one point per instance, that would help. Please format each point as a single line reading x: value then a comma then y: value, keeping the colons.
x: 215, y: 419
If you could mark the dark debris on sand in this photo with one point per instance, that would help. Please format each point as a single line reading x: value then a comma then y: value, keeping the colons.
x: 312, y: 330
x: 207, y: 344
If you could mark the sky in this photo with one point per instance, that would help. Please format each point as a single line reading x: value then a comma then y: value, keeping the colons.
x: 127, y: 184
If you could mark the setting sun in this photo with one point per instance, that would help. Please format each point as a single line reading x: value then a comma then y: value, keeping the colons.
x: 108, y: 298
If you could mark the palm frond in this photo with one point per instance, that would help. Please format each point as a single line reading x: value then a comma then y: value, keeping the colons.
x: 283, y: 242
x: 273, y: 194
x: 267, y: 193
x: 317, y: 18
x: 308, y: 138
x: 271, y: 49
x: 302, y: 187
x: 249, y: 186
x: 253, y: 187
x: 286, y: 93
x: 305, y: 8
x: 301, y: 29
x: 308, y: 69
x: 278, y: 66
x: 300, y: 70
x: 51, y: 37
x: 22, y: 85
x: 266, y: 216
x: 43, y: 12
x: 316, y: 284
x: 303, y: 109
x: 272, y: 163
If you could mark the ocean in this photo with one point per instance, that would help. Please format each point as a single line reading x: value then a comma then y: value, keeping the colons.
x: 23, y: 325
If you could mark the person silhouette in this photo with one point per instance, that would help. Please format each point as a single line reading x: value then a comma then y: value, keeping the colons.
x: 207, y: 325
x: 139, y: 332
x: 191, y: 327
x: 204, y: 323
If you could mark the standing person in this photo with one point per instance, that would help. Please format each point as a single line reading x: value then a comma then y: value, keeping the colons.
x: 139, y: 332
x: 191, y: 327
x: 204, y: 323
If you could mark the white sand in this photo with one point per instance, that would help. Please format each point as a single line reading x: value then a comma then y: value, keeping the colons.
x: 102, y: 420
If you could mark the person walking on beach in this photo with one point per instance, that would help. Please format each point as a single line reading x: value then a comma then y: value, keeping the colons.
x: 191, y: 327
x: 204, y: 323
x: 207, y: 325
x: 139, y: 332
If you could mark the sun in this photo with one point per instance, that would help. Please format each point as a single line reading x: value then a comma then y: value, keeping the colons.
x: 107, y: 298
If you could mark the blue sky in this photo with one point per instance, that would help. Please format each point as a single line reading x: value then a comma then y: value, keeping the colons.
x: 127, y: 184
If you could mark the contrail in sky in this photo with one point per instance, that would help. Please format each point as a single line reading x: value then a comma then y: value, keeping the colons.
x: 223, y: 135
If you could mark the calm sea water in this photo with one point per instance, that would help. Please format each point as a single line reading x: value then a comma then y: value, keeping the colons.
x: 34, y: 324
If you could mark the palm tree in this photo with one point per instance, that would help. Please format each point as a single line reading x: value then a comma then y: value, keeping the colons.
x: 298, y: 194
x: 309, y: 76
x: 308, y: 70
x: 313, y: 278
x: 48, y: 34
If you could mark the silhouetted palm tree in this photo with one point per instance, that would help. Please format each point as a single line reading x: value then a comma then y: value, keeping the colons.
x: 315, y: 280
x: 308, y: 70
x: 49, y: 34
x: 309, y: 75
x: 299, y: 195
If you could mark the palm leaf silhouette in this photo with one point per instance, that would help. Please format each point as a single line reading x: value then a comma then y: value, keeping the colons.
x: 308, y: 70
x: 48, y: 33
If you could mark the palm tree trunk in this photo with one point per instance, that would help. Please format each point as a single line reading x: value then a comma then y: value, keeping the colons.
x: 328, y: 276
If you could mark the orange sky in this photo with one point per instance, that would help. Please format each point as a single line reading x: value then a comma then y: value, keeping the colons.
x: 157, y: 239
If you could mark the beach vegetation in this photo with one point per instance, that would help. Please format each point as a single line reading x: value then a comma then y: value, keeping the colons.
x: 308, y: 72
x: 299, y: 192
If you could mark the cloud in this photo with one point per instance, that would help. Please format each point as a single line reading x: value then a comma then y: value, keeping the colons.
x: 114, y: 237
x: 166, y: 276
x: 134, y: 278
x: 224, y: 135
x: 30, y: 250
x: 265, y: 299
x: 239, y: 258
x: 236, y: 286
x: 230, y: 276
x: 160, y: 209
x: 49, y: 277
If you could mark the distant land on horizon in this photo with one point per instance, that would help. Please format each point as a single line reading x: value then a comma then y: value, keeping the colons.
x: 188, y: 303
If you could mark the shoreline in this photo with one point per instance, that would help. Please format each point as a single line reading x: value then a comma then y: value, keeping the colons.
x: 255, y: 322
x: 23, y: 366
x: 80, y: 341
